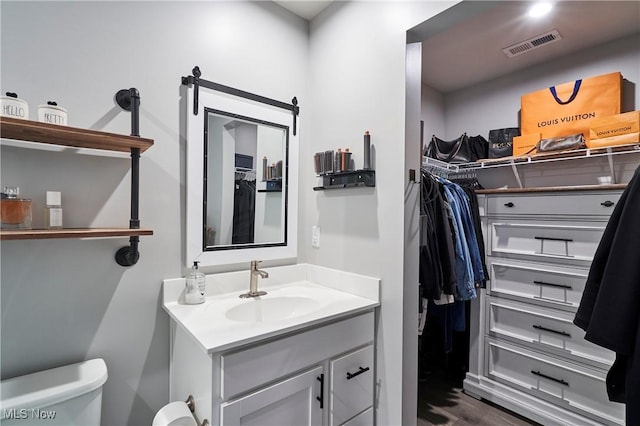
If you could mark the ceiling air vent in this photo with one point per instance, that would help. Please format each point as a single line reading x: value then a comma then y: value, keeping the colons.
x: 532, y: 43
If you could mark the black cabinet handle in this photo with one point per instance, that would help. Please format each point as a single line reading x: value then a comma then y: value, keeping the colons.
x: 509, y: 204
x: 568, y: 287
x: 539, y: 327
x: 321, y: 397
x: 566, y: 240
x: 607, y: 203
x: 357, y: 373
x: 562, y: 382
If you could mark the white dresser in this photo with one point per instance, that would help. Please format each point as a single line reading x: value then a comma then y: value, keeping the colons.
x: 526, y: 354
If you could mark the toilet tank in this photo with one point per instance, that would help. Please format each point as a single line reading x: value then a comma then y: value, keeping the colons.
x: 69, y: 395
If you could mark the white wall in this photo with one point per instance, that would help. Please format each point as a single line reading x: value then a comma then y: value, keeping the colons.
x: 215, y: 189
x: 496, y: 104
x: 65, y: 301
x: 357, y: 83
x: 269, y: 220
x: 432, y: 113
x: 227, y: 184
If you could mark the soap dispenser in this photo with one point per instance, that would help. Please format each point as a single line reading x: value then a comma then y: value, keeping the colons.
x: 195, y: 286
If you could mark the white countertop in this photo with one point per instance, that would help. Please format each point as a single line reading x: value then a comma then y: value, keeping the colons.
x: 304, y: 295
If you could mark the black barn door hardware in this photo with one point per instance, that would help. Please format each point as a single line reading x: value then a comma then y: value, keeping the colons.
x: 196, y: 81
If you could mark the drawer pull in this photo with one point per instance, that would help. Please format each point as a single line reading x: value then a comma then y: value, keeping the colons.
x: 537, y: 373
x: 568, y: 287
x: 607, y: 203
x: 566, y: 240
x: 509, y: 204
x: 357, y: 373
x: 539, y: 327
x: 321, y: 397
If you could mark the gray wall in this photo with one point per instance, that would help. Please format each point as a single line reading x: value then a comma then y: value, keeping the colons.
x: 65, y: 301
x: 357, y: 83
x: 495, y: 104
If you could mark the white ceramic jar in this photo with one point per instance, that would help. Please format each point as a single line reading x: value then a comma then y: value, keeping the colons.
x: 52, y: 113
x: 14, y: 107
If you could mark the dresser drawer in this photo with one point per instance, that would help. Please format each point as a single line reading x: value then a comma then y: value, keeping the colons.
x: 572, y: 204
x: 569, y: 385
x: 543, y: 329
x: 546, y: 240
x: 351, y: 384
x: 551, y: 285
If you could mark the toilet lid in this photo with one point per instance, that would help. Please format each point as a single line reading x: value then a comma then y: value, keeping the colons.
x: 49, y: 387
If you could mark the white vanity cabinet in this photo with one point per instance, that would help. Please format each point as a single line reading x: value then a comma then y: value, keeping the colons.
x: 318, y: 375
x: 527, y: 355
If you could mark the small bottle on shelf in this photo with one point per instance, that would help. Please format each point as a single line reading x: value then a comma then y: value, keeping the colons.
x: 53, y: 210
x: 15, y: 212
x: 195, y: 286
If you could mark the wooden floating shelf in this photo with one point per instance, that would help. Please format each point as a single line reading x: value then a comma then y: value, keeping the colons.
x: 53, y: 134
x: 43, y: 234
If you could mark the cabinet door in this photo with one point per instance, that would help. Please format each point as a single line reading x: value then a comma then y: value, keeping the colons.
x: 351, y: 385
x: 291, y: 402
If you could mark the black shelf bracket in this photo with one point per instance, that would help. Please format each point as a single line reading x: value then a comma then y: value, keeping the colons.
x: 196, y: 81
x: 129, y: 100
x: 348, y: 179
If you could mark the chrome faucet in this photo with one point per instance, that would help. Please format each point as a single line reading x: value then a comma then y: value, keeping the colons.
x: 253, y: 283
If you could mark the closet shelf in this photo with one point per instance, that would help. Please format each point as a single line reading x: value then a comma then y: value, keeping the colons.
x: 43, y: 234
x: 532, y: 159
x: 53, y: 134
x: 515, y: 162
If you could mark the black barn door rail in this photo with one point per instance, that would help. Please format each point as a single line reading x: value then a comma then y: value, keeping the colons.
x: 196, y: 81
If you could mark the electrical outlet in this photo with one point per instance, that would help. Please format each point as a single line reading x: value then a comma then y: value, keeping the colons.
x: 315, y: 236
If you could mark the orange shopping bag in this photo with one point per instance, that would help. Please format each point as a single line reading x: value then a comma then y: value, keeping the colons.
x: 569, y: 108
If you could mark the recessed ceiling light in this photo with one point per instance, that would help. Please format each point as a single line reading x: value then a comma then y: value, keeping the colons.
x: 539, y: 9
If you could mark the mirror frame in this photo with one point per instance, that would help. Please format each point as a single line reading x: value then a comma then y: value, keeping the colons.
x: 195, y: 145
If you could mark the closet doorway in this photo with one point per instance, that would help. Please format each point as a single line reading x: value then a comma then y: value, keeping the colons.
x: 459, y: 80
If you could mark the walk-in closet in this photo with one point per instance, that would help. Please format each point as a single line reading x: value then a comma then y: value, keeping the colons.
x: 505, y: 350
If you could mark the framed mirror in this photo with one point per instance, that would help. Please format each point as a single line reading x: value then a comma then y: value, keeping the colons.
x: 241, y: 180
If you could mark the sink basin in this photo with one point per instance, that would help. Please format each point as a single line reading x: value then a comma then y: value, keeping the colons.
x: 267, y: 309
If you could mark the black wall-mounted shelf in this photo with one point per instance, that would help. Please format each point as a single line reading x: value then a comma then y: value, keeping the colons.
x: 347, y: 180
x: 270, y: 190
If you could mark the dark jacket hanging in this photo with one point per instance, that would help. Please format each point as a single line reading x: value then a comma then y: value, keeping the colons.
x: 244, y: 211
x: 609, y: 311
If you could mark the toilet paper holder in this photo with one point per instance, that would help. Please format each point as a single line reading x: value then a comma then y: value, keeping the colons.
x: 191, y: 404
